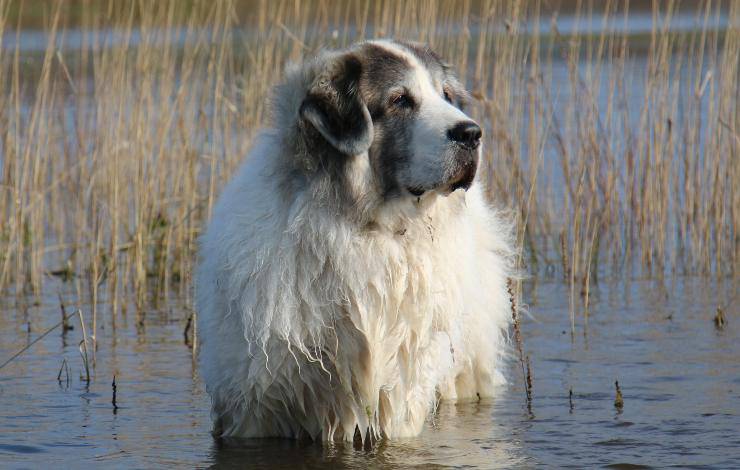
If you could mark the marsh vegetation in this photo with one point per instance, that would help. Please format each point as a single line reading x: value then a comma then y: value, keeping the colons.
x: 611, y: 133
x: 119, y: 123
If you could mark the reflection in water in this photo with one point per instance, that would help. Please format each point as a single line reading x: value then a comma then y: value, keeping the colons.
x: 677, y: 372
x: 679, y: 375
x: 468, y: 434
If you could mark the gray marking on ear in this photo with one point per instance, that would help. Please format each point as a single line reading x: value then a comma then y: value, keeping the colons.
x: 335, y: 108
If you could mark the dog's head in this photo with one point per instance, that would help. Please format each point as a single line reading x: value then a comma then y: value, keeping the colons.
x: 399, y: 106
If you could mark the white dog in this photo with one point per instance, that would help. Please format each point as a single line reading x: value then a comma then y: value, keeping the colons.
x: 353, y: 274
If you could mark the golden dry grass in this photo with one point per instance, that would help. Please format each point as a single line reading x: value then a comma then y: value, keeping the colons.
x: 618, y: 153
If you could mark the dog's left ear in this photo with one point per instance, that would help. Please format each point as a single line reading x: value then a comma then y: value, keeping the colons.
x: 335, y: 108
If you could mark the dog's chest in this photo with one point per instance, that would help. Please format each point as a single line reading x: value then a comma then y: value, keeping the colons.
x: 403, y: 277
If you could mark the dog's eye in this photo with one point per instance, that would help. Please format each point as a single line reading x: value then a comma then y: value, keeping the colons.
x: 402, y: 100
x: 447, y: 95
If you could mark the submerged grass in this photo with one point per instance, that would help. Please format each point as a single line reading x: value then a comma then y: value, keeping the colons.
x: 115, y: 142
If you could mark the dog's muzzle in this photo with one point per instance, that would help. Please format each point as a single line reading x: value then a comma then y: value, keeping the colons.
x: 466, y: 135
x: 465, y: 174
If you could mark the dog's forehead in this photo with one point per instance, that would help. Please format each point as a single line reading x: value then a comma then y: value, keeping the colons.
x: 388, y: 63
x: 429, y: 59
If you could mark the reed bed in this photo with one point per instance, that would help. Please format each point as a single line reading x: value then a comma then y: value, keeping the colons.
x: 616, y: 152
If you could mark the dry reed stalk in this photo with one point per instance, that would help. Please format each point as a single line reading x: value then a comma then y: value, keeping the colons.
x: 719, y: 319
x: 63, y: 368
x: 112, y: 154
x: 618, y: 398
x: 524, y: 363
x: 570, y: 400
x: 115, y: 392
x: 83, y: 347
x: 39, y: 338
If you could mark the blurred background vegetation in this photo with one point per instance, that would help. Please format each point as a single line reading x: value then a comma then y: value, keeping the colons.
x: 611, y: 129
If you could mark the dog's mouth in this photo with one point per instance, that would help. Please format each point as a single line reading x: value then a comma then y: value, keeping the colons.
x: 464, y: 177
x: 416, y: 191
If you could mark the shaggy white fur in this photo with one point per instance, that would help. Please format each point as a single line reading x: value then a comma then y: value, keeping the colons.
x: 317, y: 324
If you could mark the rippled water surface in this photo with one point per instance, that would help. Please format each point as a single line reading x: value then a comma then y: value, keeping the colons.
x: 679, y: 374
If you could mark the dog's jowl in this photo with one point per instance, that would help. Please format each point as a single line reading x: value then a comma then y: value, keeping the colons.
x: 353, y: 273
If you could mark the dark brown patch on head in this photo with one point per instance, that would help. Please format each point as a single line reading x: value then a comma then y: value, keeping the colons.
x: 393, y: 109
x: 452, y: 89
x: 383, y: 71
x: 334, y: 110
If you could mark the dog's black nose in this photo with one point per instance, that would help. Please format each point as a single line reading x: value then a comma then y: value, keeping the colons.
x: 466, y: 133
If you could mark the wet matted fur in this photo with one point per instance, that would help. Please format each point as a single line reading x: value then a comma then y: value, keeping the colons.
x: 352, y: 273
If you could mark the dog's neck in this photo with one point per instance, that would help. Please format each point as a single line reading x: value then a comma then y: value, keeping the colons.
x: 405, y: 215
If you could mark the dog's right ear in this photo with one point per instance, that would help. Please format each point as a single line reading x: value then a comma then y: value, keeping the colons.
x: 335, y: 108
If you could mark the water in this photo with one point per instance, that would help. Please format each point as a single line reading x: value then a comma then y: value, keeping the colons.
x: 679, y: 374
x: 640, y: 24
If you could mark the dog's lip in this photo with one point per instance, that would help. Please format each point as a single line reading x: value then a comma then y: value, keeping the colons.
x: 464, y: 177
x: 416, y: 191
x: 462, y: 183
x: 462, y: 180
